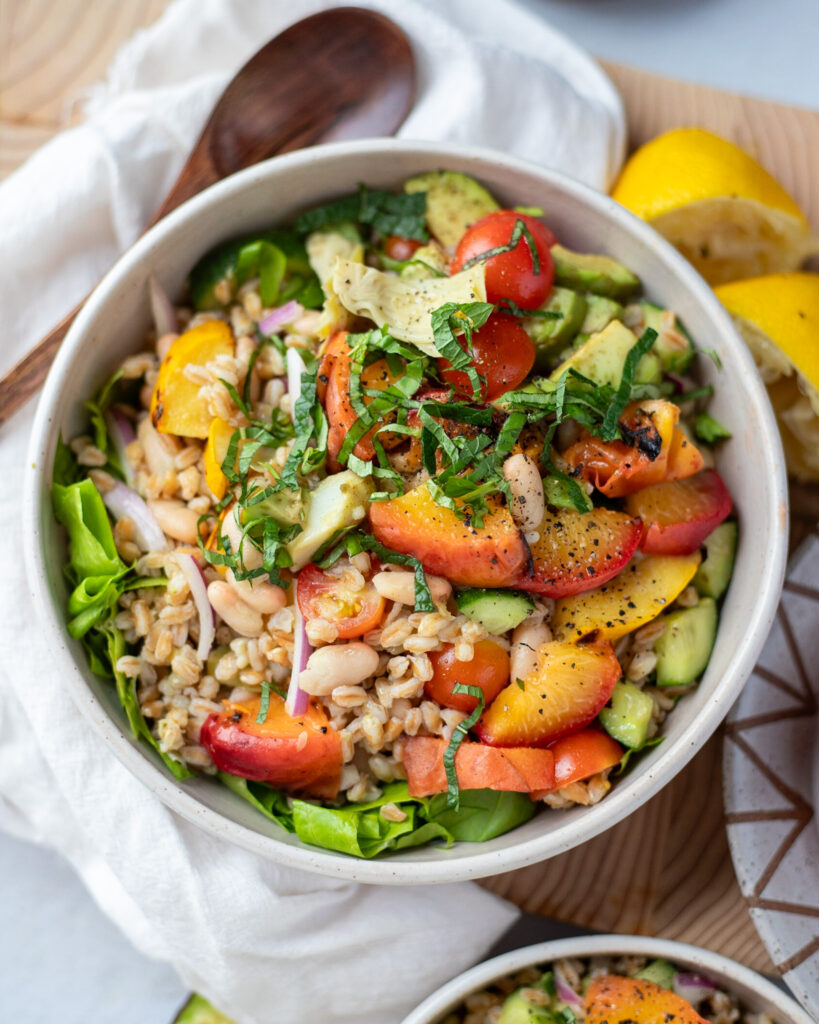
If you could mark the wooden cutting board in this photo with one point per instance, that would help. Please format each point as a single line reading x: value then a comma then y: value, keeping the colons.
x: 666, y: 870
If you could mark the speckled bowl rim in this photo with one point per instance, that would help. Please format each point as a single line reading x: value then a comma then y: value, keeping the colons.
x: 452, y: 865
x: 730, y: 975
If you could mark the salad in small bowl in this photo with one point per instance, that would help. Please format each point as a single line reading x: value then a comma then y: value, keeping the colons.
x: 406, y: 527
x: 609, y: 979
x: 405, y: 535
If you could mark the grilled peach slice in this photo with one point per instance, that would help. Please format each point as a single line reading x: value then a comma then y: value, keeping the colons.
x: 477, y: 766
x: 301, y: 754
x: 493, y: 556
x: 635, y: 596
x: 617, y: 468
x: 678, y: 515
x: 578, y: 551
x: 571, y: 684
x: 612, y: 999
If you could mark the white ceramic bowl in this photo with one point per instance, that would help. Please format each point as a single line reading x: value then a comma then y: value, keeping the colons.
x: 756, y: 993
x: 112, y: 325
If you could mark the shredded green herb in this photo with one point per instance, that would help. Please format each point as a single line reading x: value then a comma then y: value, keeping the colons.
x: 390, y: 213
x: 710, y: 430
x: 519, y: 231
x: 458, y: 736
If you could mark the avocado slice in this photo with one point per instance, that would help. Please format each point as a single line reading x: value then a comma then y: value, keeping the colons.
x: 676, y: 350
x: 714, y: 573
x: 589, y: 272
x: 198, y: 1010
x: 628, y: 717
x: 338, y: 503
x: 550, y: 333
x: 518, y: 1010
x: 661, y: 972
x: 600, y: 312
x: 603, y: 357
x: 454, y: 202
x: 685, y: 647
x: 496, y: 610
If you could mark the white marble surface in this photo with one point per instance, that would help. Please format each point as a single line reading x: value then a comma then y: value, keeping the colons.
x: 62, y: 960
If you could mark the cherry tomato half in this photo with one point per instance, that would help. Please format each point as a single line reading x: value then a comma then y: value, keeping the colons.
x: 400, y: 249
x: 510, y: 275
x: 335, y: 596
x: 488, y: 669
x: 503, y: 354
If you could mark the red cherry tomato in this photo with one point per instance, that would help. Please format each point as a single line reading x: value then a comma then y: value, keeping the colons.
x: 335, y: 596
x: 503, y: 354
x: 510, y: 275
x: 400, y: 249
x: 488, y: 669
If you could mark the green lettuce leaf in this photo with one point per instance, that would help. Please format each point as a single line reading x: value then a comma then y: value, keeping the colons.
x: 127, y: 694
x: 483, y: 814
x: 94, y: 565
x: 359, y: 830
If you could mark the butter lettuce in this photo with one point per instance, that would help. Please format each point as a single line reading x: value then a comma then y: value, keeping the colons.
x: 360, y: 830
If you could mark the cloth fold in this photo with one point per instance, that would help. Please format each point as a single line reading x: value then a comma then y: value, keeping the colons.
x: 266, y: 943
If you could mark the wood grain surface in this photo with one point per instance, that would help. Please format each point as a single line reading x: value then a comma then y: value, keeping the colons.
x: 666, y: 870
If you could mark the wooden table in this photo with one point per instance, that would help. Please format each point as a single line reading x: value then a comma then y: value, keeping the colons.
x: 666, y: 870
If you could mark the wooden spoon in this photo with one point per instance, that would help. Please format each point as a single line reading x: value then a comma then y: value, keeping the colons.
x: 345, y: 73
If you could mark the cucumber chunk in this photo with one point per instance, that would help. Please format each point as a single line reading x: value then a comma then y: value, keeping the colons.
x: 685, y: 647
x: 628, y: 718
x: 714, y: 573
x: 661, y: 972
x: 674, y: 350
x: 518, y: 1010
x: 496, y: 610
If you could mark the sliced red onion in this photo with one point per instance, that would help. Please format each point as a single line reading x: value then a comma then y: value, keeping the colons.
x: 121, y: 432
x: 295, y: 368
x: 124, y: 501
x: 693, y: 987
x: 199, y: 592
x: 162, y: 309
x: 565, y: 993
x: 281, y: 315
x: 297, y: 699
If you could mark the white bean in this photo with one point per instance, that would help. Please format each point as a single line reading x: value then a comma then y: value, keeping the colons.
x: 527, y: 640
x: 175, y: 519
x: 158, y: 455
x: 251, y: 556
x: 528, y: 504
x: 233, y: 611
x: 400, y: 587
x: 261, y: 595
x: 338, y: 665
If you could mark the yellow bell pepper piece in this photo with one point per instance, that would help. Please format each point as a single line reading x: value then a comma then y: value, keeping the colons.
x: 176, y: 407
x: 219, y: 435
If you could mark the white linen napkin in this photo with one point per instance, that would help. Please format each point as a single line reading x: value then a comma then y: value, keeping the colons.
x: 265, y: 943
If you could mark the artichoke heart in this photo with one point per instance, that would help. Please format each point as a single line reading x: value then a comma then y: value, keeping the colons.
x: 404, y: 306
x: 324, y: 249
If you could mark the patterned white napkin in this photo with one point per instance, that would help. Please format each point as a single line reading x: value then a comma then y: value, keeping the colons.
x: 266, y: 943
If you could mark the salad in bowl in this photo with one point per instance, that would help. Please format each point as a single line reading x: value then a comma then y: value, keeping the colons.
x: 405, y: 527
x: 609, y: 979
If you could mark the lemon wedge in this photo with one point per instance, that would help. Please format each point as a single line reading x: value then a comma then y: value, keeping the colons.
x: 716, y: 204
x: 778, y: 316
